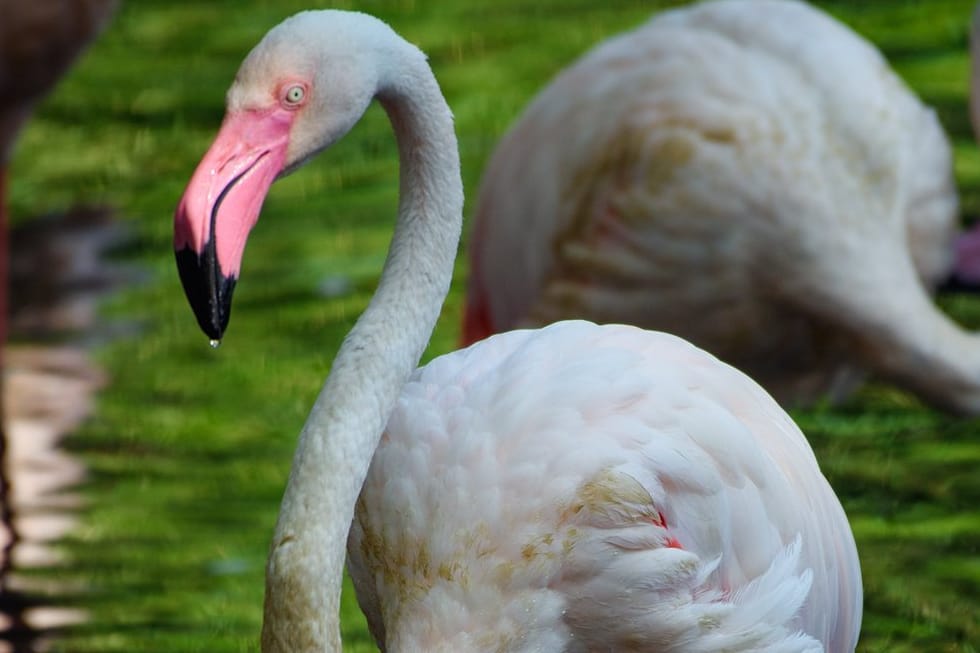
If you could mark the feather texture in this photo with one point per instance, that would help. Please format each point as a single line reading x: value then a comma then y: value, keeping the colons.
x: 633, y: 489
x: 748, y: 174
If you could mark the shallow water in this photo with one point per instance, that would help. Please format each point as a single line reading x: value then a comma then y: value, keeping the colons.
x: 58, y: 274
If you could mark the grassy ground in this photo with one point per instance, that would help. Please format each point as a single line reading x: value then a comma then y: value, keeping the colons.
x: 189, y: 450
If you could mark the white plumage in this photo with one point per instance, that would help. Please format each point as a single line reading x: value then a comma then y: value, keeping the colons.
x: 583, y: 488
x: 748, y: 174
x: 577, y: 488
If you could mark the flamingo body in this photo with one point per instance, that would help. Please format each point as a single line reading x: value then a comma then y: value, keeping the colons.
x: 748, y: 174
x: 570, y: 489
x: 582, y: 488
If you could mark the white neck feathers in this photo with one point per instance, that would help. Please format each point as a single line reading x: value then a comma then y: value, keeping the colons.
x: 305, y: 568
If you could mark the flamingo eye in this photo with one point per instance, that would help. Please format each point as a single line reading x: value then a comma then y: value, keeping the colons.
x: 295, y: 95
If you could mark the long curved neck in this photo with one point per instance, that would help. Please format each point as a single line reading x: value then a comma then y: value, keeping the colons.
x: 306, y: 562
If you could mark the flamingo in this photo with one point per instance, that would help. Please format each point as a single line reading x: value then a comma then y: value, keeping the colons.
x: 39, y: 40
x: 573, y: 488
x: 749, y: 175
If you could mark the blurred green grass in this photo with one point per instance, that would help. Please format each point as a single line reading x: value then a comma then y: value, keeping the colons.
x: 190, y: 447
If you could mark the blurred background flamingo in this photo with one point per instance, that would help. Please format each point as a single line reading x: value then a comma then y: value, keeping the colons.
x: 750, y: 175
x: 39, y: 40
x: 50, y: 394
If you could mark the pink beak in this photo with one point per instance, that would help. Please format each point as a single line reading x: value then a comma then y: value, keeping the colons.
x: 221, y: 205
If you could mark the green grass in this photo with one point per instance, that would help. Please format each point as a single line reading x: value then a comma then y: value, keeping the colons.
x: 189, y: 448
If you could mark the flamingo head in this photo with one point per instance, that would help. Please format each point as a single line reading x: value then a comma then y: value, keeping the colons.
x: 298, y: 91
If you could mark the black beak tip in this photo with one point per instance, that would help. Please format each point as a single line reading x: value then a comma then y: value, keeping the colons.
x: 208, y: 291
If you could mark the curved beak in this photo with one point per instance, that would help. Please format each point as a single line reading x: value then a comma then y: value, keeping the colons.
x: 221, y: 205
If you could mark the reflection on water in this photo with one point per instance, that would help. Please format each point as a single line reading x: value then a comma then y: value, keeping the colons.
x: 48, y: 392
x: 57, y: 276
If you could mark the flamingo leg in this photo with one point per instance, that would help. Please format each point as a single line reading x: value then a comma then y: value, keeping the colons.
x: 4, y: 292
x: 8, y: 538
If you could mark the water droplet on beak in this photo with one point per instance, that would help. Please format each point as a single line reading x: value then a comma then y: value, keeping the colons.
x: 214, y: 343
